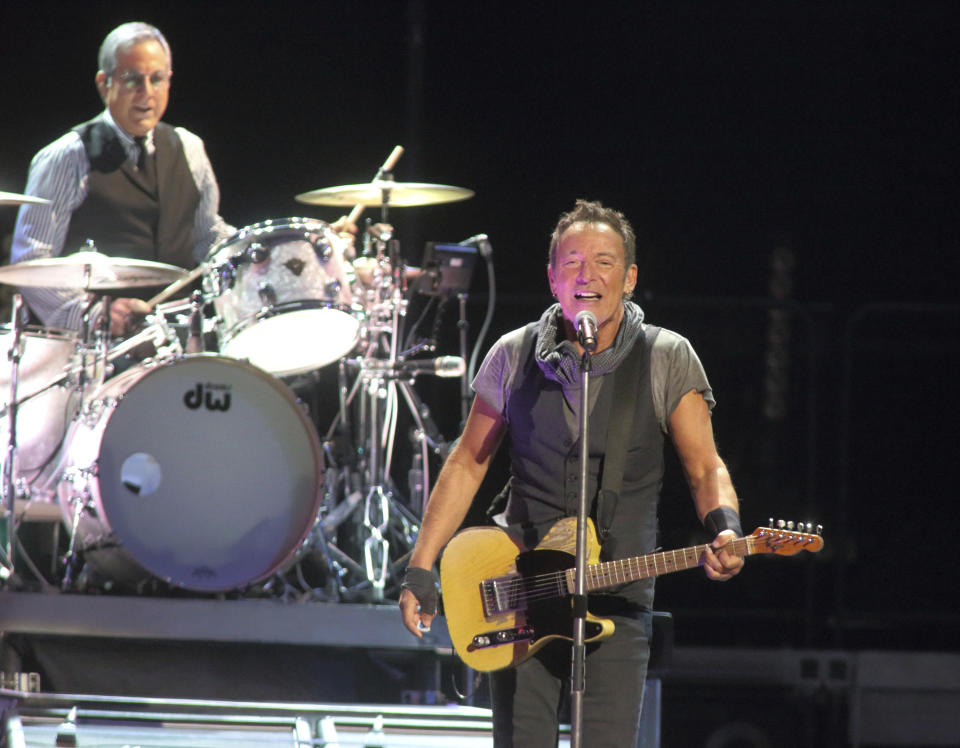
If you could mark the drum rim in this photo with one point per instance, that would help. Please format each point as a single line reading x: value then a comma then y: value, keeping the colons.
x: 268, y: 226
x: 41, y: 331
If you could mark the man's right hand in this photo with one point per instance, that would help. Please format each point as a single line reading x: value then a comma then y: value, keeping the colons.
x: 415, y: 621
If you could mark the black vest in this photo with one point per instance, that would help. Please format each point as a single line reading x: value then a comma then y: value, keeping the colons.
x: 148, y: 214
x: 545, y: 471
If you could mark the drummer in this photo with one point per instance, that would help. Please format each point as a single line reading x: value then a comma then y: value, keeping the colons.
x: 137, y: 187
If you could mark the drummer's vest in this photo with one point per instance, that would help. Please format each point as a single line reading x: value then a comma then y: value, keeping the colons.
x: 147, y: 214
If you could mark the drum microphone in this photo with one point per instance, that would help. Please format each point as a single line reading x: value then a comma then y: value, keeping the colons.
x: 441, y: 366
x: 481, y: 242
x: 587, y: 330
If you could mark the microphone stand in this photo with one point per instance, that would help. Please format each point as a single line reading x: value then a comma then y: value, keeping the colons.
x: 578, y: 665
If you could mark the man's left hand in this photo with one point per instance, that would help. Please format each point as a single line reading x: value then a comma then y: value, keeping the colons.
x: 721, y: 563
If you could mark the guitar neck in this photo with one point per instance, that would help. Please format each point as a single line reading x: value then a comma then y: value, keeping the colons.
x: 612, y: 573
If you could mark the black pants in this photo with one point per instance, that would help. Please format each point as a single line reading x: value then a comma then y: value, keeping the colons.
x: 528, y: 700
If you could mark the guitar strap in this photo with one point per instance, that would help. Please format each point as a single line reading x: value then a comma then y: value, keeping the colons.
x: 622, y: 412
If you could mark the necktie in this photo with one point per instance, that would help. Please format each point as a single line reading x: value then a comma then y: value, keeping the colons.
x: 141, y: 141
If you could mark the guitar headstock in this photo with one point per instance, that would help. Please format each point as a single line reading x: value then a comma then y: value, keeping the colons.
x: 786, y: 538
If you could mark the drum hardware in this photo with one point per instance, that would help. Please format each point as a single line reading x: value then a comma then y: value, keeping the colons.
x: 385, y: 526
x: 10, y: 466
x: 195, y: 331
x: 78, y: 478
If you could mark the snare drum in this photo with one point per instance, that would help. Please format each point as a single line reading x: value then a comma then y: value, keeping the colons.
x: 203, y: 471
x: 44, y: 392
x: 282, y: 296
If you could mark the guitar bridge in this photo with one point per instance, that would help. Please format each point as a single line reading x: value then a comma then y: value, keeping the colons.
x: 503, y: 636
x: 502, y: 595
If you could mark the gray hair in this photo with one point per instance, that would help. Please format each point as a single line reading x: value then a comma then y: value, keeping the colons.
x: 124, y: 36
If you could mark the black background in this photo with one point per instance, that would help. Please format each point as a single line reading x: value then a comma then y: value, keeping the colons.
x: 727, y: 133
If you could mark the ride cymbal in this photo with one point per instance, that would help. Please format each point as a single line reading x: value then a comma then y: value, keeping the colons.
x: 394, y: 194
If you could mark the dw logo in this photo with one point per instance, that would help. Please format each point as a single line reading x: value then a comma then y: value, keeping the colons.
x: 211, y: 396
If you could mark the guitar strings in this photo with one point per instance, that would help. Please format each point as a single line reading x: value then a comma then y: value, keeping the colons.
x: 554, y: 584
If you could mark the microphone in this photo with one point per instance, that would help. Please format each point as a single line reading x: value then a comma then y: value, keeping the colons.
x: 481, y: 242
x: 586, y: 323
x: 441, y: 366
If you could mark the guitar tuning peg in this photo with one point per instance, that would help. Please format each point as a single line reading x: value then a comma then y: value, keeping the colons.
x: 781, y: 524
x: 790, y: 525
x: 819, y: 529
x: 770, y: 523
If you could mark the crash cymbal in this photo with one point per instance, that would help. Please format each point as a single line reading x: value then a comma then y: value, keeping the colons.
x: 401, y: 194
x: 12, y: 198
x: 90, y: 271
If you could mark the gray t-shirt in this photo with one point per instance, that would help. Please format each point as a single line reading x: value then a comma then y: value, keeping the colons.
x: 675, y: 369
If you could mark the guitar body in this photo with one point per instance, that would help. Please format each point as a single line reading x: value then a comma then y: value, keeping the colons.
x: 478, y: 554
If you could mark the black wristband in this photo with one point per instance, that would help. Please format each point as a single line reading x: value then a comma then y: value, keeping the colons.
x: 720, y: 519
x: 423, y: 586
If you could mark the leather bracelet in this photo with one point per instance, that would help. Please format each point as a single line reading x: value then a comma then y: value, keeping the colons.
x: 720, y: 519
x: 423, y: 586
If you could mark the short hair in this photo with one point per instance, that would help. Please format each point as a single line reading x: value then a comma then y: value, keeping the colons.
x: 588, y: 211
x: 124, y: 36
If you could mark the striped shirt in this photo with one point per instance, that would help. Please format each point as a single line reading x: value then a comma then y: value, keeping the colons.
x: 59, y: 173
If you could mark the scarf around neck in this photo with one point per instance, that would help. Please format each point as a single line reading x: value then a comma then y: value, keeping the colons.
x: 558, y: 359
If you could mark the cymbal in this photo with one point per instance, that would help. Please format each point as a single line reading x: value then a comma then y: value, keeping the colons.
x: 401, y: 194
x: 90, y: 271
x: 12, y: 198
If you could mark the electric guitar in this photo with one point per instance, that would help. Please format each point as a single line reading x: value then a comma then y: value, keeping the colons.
x: 503, y: 602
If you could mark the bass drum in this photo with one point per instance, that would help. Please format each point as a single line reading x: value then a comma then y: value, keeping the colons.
x: 203, y: 471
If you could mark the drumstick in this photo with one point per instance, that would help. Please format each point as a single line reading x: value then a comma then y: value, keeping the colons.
x: 388, y: 165
x: 176, y: 286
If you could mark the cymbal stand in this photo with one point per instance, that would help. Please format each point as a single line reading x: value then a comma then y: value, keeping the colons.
x: 10, y: 467
x: 381, y: 379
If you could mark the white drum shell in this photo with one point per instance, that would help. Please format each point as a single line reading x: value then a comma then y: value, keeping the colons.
x: 203, y: 471
x: 282, y: 295
x: 46, y: 399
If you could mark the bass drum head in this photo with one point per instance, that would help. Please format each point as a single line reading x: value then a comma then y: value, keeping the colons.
x: 209, y: 473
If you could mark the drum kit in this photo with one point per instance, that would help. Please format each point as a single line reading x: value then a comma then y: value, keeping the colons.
x: 198, y: 468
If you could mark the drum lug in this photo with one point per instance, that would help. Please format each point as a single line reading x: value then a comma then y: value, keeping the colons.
x: 225, y: 278
x: 322, y: 247
x: 256, y: 253
x: 79, y: 480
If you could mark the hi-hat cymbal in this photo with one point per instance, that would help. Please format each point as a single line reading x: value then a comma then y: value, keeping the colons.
x: 399, y: 194
x: 12, y: 198
x: 90, y: 271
